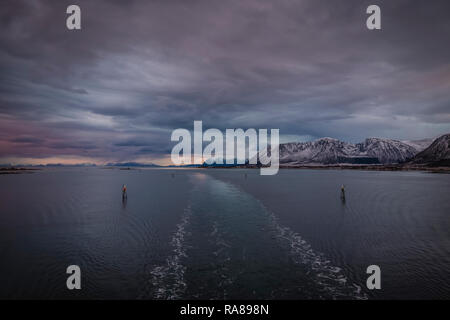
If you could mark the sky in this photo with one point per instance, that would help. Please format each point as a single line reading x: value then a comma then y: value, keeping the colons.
x: 116, y: 89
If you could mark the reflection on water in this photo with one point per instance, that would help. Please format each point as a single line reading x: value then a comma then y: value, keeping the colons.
x: 124, y: 202
x: 343, y: 199
x: 224, y: 234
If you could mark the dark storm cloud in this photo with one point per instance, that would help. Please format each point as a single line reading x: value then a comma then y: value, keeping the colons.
x: 139, y: 69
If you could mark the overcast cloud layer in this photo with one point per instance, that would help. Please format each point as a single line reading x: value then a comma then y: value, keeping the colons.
x: 115, y: 90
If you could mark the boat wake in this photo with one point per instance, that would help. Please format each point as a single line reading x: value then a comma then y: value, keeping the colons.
x: 168, y: 279
x: 222, y: 250
x: 331, y: 281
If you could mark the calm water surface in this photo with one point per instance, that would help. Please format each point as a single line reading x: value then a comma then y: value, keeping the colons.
x: 224, y: 234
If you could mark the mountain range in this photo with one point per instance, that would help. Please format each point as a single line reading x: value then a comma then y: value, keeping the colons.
x: 328, y: 151
x: 132, y: 164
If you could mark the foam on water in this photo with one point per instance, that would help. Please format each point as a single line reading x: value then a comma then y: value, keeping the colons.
x: 222, y: 255
x: 168, y: 279
x: 331, y: 279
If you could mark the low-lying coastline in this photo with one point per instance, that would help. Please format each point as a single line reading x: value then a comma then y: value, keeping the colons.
x: 13, y: 170
x: 374, y: 167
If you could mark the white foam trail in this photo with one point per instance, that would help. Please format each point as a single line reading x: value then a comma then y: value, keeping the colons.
x: 168, y: 279
x: 333, y: 282
x: 223, y: 255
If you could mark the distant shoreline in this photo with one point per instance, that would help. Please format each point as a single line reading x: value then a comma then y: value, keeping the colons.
x: 346, y: 167
x: 13, y: 170
x: 21, y: 170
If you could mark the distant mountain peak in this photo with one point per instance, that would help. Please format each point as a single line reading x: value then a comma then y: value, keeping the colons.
x: 437, y: 154
x: 421, y: 144
x: 327, y: 139
x: 130, y: 164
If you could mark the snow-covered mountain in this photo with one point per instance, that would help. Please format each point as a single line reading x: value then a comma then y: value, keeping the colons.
x: 437, y: 154
x: 387, y: 150
x: 333, y: 151
x: 419, y: 145
x: 322, y: 151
